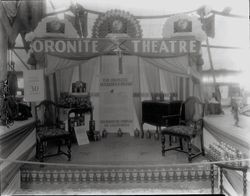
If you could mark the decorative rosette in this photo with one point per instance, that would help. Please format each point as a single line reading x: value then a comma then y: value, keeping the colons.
x: 183, y: 25
x: 116, y: 22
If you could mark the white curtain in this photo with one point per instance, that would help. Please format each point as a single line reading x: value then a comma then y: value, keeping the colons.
x: 152, y: 77
x: 87, y: 70
x: 168, y: 82
x: 54, y: 63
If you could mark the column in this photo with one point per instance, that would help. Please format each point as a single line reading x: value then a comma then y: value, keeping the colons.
x: 3, y: 60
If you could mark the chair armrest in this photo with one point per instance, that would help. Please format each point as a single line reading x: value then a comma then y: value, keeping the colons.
x: 198, y: 125
x: 182, y: 122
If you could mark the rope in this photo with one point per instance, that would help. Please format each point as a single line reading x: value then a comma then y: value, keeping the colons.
x: 105, y: 165
x: 155, y: 16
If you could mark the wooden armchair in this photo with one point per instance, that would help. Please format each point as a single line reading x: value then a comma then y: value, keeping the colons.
x: 48, y: 130
x: 189, y: 127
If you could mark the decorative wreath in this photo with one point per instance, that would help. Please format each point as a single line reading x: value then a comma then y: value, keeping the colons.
x: 116, y: 22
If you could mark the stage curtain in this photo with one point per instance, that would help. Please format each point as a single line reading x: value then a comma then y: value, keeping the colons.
x: 175, y: 65
x: 144, y: 89
x: 54, y: 63
x: 87, y: 72
x: 63, y: 69
x: 168, y: 82
x: 64, y: 83
x: 152, y: 77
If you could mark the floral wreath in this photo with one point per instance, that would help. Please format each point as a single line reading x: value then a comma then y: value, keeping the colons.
x: 116, y: 22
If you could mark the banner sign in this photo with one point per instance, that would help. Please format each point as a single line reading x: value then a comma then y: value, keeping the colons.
x: 116, y: 102
x: 88, y: 48
x: 34, y: 85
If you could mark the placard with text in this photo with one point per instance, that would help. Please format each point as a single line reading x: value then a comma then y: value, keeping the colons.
x: 34, y: 89
x: 116, y: 102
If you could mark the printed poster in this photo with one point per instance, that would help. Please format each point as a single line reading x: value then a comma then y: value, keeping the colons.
x: 81, y: 135
x: 116, y: 102
x: 34, y: 89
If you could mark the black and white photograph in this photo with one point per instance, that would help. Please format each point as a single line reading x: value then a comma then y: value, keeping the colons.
x: 124, y: 97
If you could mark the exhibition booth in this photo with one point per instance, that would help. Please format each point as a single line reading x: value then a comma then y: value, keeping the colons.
x: 115, y: 94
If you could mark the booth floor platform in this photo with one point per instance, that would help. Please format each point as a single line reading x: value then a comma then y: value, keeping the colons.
x: 119, y: 164
x: 125, y: 150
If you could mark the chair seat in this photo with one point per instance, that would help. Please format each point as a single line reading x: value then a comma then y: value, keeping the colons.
x: 179, y: 130
x: 50, y: 133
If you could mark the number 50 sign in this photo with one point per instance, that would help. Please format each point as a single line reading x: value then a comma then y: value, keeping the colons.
x: 34, y: 85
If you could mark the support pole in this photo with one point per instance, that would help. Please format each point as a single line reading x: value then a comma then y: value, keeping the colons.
x: 209, y: 52
x: 211, y: 61
x: 3, y: 62
x: 3, y: 52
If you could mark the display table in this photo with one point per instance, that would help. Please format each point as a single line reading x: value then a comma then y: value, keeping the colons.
x: 153, y: 113
x: 214, y: 108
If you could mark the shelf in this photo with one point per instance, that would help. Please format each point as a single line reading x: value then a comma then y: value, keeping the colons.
x: 79, y: 94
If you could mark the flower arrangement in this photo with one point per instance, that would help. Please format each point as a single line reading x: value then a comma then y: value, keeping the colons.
x: 71, y: 101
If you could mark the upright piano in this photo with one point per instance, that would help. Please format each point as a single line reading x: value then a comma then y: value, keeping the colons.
x: 153, y: 113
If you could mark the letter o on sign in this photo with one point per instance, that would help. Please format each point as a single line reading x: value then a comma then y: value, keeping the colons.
x: 60, y: 46
x: 37, y: 46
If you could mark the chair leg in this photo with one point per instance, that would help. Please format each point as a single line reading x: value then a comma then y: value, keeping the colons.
x: 37, y: 149
x: 181, y: 146
x: 189, y: 151
x: 69, y: 149
x: 163, y: 144
x: 202, y: 145
x: 170, y: 140
x: 59, y: 147
x: 41, y: 151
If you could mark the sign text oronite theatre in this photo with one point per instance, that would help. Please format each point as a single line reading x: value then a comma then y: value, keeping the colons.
x: 87, y: 48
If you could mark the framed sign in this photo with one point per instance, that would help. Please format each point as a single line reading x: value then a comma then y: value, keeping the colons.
x: 34, y: 89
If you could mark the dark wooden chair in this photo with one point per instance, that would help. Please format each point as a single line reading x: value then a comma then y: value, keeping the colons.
x: 48, y: 131
x: 190, y: 126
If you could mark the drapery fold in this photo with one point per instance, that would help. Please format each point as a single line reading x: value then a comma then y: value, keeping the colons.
x: 152, y: 76
x: 178, y: 66
x: 87, y: 70
x: 54, y: 63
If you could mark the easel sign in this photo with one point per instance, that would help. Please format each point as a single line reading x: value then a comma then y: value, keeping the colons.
x: 34, y: 85
x: 81, y: 135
